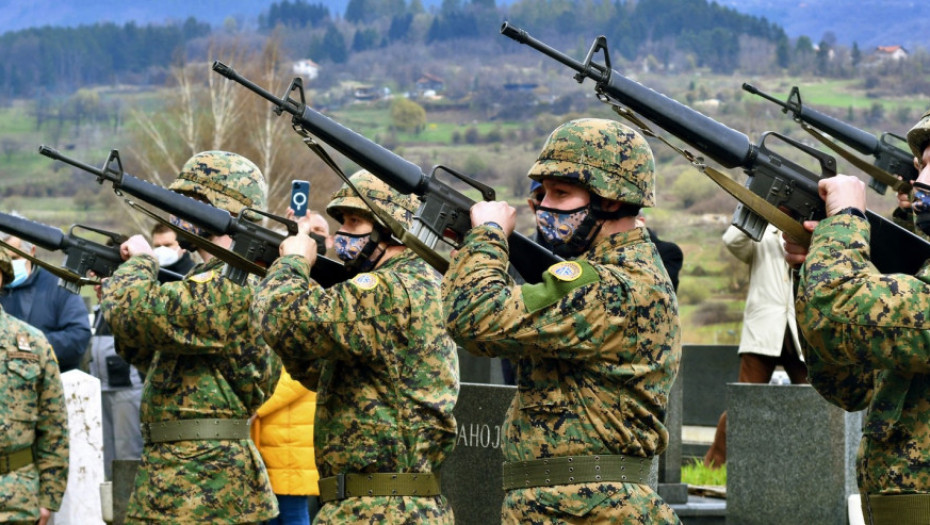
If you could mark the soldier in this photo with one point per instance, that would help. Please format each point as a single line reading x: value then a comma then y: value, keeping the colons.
x: 33, y: 421
x: 206, y: 370
x: 597, y: 343
x: 868, y: 342
x: 375, y: 351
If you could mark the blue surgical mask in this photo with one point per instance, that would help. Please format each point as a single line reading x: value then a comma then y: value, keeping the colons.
x: 568, y: 232
x: 20, y: 273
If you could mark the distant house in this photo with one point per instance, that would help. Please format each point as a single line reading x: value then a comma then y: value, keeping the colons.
x: 891, y: 52
x: 366, y: 92
x: 429, y: 82
x: 306, y: 68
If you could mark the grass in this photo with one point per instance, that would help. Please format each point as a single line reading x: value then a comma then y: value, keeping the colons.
x: 696, y: 473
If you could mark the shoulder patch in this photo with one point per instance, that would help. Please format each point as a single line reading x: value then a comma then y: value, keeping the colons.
x: 566, y: 271
x: 558, y: 281
x: 366, y: 281
x: 203, y: 277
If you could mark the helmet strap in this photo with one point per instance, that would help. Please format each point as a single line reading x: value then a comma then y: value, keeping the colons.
x: 625, y: 210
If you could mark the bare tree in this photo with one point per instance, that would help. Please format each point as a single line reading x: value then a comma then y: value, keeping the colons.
x: 204, y: 111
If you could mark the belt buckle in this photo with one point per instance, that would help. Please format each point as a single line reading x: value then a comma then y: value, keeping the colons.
x: 340, y: 486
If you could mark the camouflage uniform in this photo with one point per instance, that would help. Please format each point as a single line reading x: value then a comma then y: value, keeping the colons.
x: 32, y: 415
x: 385, y: 371
x: 868, y: 346
x: 597, y: 350
x: 201, y: 358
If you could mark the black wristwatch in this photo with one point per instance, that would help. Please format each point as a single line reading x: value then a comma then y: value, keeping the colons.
x: 852, y: 211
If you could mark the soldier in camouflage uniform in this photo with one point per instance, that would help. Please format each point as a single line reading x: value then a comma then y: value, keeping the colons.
x: 597, y: 343
x: 868, y: 343
x: 206, y: 370
x: 375, y: 351
x: 33, y: 421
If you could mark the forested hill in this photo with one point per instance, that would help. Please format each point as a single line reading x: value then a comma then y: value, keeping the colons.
x: 51, y: 59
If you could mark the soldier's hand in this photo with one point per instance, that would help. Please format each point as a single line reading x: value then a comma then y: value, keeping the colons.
x: 135, y: 245
x: 840, y: 192
x: 795, y: 252
x: 300, y: 244
x: 44, y: 515
x: 904, y: 199
x: 494, y: 211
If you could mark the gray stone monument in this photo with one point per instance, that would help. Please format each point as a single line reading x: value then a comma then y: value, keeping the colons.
x: 670, y: 486
x: 471, y: 476
x: 790, y: 456
x: 81, y: 502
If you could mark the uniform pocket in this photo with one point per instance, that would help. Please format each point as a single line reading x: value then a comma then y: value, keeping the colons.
x: 23, y: 377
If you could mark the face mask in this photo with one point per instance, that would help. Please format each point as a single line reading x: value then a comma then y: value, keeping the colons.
x: 19, y: 272
x: 568, y: 232
x: 921, y: 206
x: 190, y: 228
x: 166, y: 255
x: 349, y: 246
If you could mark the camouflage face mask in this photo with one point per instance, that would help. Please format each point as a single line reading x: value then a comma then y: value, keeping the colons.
x: 190, y: 228
x: 568, y: 232
x: 921, y: 206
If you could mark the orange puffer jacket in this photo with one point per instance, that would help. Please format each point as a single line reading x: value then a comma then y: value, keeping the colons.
x: 283, y: 432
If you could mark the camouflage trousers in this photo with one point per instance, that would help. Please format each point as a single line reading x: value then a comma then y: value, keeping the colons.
x: 387, y: 510
x: 590, y: 503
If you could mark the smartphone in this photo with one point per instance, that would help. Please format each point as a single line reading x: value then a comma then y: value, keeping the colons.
x: 300, y: 196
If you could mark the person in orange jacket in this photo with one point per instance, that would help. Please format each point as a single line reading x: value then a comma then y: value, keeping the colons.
x: 283, y: 432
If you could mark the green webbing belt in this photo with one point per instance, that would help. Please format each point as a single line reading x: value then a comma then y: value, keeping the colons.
x: 15, y: 460
x: 379, y: 484
x: 195, y: 430
x: 897, y: 509
x: 576, y: 469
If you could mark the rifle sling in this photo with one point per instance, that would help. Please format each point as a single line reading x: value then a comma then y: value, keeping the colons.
x: 757, y: 204
x: 871, y: 170
x: 431, y: 256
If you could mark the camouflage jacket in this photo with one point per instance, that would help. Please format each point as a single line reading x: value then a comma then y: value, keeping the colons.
x: 201, y: 359
x: 868, y: 345
x: 597, y: 343
x: 32, y: 414
x: 375, y: 351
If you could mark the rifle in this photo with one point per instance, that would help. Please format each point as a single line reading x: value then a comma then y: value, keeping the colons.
x: 890, y: 160
x: 778, y: 181
x: 444, y: 213
x: 254, y: 247
x: 81, y: 254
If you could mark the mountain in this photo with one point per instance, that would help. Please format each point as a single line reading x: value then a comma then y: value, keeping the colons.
x: 869, y: 23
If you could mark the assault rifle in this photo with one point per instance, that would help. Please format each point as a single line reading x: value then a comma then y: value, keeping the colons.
x: 889, y: 158
x: 780, y: 182
x: 254, y: 247
x: 81, y: 254
x: 444, y: 213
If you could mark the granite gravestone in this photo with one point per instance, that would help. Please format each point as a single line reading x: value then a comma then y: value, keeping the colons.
x: 790, y: 456
x: 472, y: 475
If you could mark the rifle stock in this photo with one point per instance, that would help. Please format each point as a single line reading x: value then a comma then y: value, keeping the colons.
x: 444, y: 213
x: 771, y: 176
x: 81, y: 254
x: 888, y: 157
x: 251, y: 241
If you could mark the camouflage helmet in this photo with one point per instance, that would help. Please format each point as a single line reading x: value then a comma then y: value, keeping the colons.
x: 607, y: 158
x: 6, y: 267
x: 227, y: 180
x: 918, y: 138
x: 400, y: 206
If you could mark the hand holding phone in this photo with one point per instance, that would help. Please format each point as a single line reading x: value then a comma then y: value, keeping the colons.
x: 300, y: 197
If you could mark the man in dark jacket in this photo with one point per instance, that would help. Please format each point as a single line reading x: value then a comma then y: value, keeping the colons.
x: 34, y: 296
